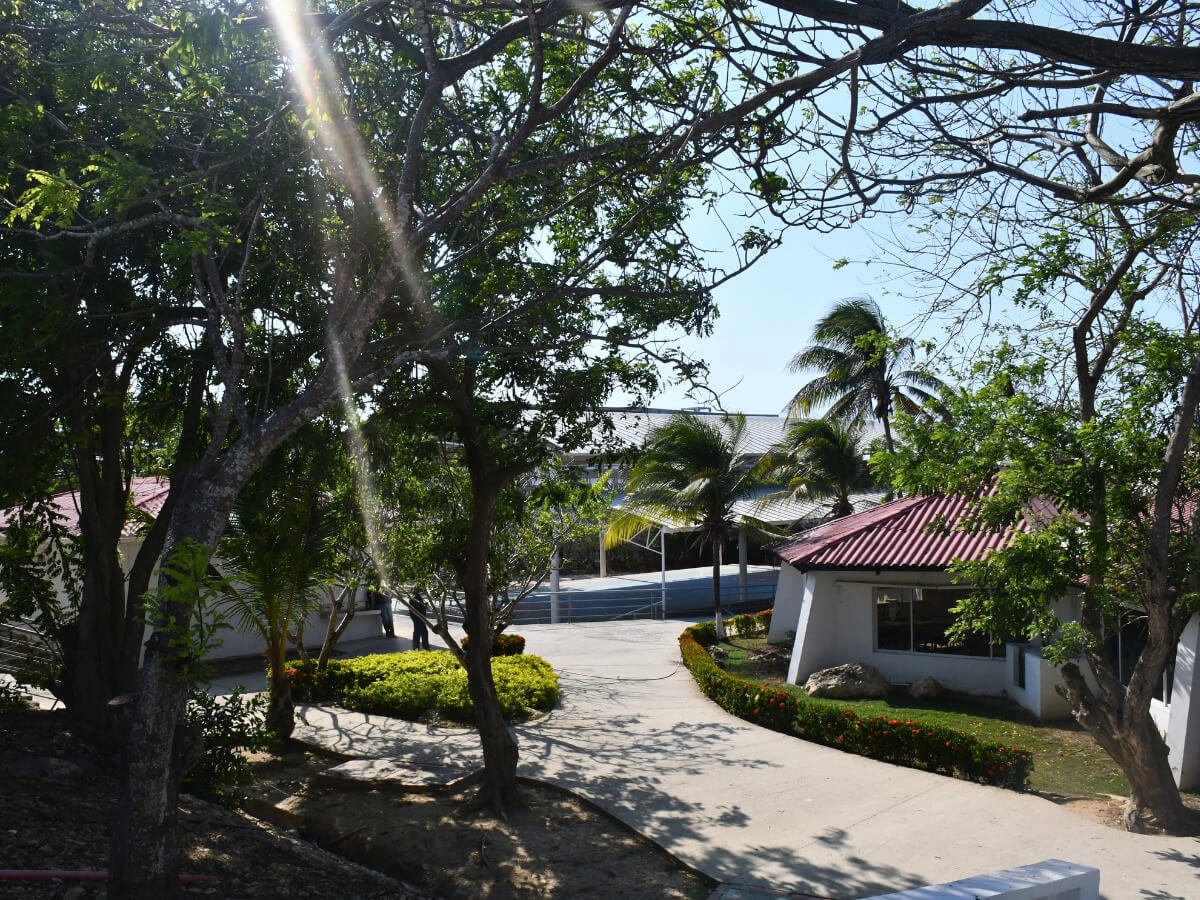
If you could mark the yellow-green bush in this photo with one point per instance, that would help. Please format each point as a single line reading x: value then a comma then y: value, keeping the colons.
x: 406, y: 685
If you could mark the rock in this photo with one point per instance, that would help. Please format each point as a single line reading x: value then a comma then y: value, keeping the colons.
x: 926, y: 688
x: 45, y: 767
x: 851, y: 681
x: 279, y: 815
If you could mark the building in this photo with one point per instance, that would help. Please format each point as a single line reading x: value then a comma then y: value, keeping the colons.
x: 873, y: 588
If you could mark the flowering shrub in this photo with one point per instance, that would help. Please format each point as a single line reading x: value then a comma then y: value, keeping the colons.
x: 406, y: 685
x: 503, y: 644
x: 903, y: 742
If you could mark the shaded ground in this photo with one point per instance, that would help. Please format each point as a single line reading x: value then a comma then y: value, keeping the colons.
x: 58, y: 797
x: 57, y: 805
x: 554, y: 845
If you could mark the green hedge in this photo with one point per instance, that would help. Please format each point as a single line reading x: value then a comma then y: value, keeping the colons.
x: 407, y: 685
x: 903, y: 742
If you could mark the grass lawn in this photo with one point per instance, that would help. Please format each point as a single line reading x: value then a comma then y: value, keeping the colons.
x: 1066, y: 761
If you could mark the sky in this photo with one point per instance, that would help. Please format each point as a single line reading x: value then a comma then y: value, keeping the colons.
x: 768, y: 312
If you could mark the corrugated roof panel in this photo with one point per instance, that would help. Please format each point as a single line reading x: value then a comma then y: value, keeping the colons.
x: 147, y: 493
x: 903, y: 534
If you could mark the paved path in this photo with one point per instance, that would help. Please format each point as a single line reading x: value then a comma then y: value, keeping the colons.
x: 749, y: 806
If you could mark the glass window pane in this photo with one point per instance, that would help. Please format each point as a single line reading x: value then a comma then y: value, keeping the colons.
x: 893, y: 613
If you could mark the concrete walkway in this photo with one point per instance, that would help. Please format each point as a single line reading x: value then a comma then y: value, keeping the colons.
x: 749, y: 806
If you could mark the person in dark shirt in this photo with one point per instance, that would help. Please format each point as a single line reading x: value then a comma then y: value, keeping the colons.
x: 417, y: 607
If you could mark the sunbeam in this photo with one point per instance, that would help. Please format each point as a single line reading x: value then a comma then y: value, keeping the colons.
x: 364, y: 474
x: 335, y: 139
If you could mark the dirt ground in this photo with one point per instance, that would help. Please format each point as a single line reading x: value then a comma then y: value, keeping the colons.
x: 553, y: 844
x: 56, y: 801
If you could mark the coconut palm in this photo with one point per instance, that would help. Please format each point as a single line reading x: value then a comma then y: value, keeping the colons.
x: 690, y: 474
x: 818, y: 458
x: 276, y: 556
x: 865, y: 372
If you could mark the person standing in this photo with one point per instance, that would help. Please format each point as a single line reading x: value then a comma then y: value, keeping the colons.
x: 418, y: 609
x: 385, y: 613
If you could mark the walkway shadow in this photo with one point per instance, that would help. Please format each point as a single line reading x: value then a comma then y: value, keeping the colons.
x: 638, y: 782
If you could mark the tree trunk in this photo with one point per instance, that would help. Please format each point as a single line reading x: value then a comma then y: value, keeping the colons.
x: 334, y: 629
x: 281, y: 710
x: 91, y: 665
x: 498, y: 788
x: 718, y: 618
x: 158, y: 752
x: 1128, y: 734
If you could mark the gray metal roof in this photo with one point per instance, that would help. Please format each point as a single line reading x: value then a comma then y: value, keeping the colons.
x: 778, y: 510
x: 632, y: 427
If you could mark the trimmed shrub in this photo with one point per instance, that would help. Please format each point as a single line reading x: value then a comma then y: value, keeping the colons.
x: 504, y: 644
x: 407, y: 685
x: 903, y: 742
x: 704, y: 633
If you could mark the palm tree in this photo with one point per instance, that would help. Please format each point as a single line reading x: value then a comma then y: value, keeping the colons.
x: 818, y: 458
x: 866, y: 373
x: 690, y: 473
x: 276, y: 556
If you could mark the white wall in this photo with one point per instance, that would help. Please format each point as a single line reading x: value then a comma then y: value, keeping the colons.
x: 1040, y: 695
x: 1183, y: 720
x: 789, y: 594
x: 836, y: 624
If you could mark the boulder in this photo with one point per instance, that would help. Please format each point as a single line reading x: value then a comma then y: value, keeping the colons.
x: 926, y: 688
x: 852, y: 681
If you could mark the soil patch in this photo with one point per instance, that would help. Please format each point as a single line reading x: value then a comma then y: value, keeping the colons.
x: 58, y: 795
x: 553, y: 845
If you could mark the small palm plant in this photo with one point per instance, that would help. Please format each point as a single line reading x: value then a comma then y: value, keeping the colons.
x: 689, y: 475
x: 820, y: 459
x: 276, y: 556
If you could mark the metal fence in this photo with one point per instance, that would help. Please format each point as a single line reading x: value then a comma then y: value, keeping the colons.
x: 682, y: 601
x: 23, y: 649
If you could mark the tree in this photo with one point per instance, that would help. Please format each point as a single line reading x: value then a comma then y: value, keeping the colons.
x: 431, y: 508
x: 689, y: 474
x: 276, y: 557
x: 866, y: 372
x: 1105, y: 429
x: 819, y: 459
x: 418, y: 116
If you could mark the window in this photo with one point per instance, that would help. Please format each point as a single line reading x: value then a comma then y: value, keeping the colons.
x: 915, y: 620
x: 893, y: 618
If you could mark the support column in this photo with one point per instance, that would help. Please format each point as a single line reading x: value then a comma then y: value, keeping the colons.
x: 555, y: 565
x: 1183, y: 719
x: 662, y: 559
x: 743, y: 576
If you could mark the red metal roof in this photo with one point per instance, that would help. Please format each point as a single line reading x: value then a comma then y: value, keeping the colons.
x: 147, y: 493
x: 910, y: 533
